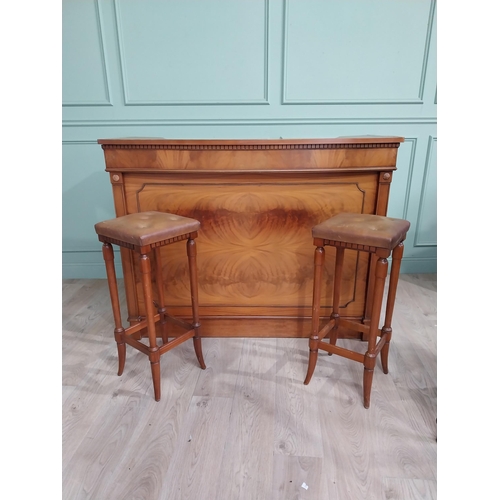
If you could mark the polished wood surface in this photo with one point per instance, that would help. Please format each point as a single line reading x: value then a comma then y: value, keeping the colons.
x: 357, y: 232
x: 247, y: 427
x: 257, y: 201
x: 153, y: 229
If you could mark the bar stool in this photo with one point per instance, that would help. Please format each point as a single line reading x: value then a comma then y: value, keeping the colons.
x: 146, y: 233
x: 377, y: 235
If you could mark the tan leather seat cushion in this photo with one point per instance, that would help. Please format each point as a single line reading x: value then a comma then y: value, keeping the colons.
x: 363, y: 229
x: 146, y: 227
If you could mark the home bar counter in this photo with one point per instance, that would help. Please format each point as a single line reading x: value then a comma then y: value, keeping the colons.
x: 257, y: 201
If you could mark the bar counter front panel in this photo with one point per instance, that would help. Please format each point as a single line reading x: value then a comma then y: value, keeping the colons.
x: 257, y: 202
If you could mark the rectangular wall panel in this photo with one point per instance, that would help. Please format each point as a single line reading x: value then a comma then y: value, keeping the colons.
x: 401, y: 179
x: 86, y: 196
x: 426, y: 231
x: 356, y: 52
x: 193, y: 52
x: 84, y: 72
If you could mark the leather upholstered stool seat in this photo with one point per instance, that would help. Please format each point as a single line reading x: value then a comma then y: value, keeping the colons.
x: 380, y: 236
x: 145, y: 233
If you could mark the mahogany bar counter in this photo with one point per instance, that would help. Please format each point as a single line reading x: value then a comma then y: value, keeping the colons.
x: 257, y: 201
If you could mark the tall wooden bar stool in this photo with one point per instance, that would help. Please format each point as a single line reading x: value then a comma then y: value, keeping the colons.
x: 366, y: 233
x: 145, y: 233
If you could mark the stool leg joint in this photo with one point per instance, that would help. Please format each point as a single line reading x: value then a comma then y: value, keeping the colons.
x: 370, y: 360
x: 119, y: 334
x: 154, y: 354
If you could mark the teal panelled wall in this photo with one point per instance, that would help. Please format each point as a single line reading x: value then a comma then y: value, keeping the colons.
x: 208, y: 69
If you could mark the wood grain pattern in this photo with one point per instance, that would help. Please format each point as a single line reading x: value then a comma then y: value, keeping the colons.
x: 250, y: 425
x: 102, y: 452
x: 294, y: 474
x: 297, y: 415
x: 349, y: 442
x: 217, y: 383
x: 151, y: 445
x: 77, y: 321
x: 200, y: 449
x: 257, y: 202
x: 395, y: 489
x: 306, y: 154
x: 119, y: 443
x: 255, y: 243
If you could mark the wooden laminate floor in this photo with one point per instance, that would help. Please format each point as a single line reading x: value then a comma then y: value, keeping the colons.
x: 247, y: 428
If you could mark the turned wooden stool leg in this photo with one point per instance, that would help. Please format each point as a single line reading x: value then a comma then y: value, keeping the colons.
x: 193, y: 281
x: 339, y: 262
x: 397, y: 255
x: 319, y: 259
x: 161, y: 296
x: 109, y: 259
x: 370, y: 355
x: 154, y: 353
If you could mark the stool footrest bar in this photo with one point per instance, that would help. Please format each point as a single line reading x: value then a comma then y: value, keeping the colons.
x: 353, y: 325
x: 178, y: 340
x: 179, y: 322
x: 380, y: 344
x: 138, y: 345
x: 139, y: 326
x: 326, y: 329
x: 341, y: 351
